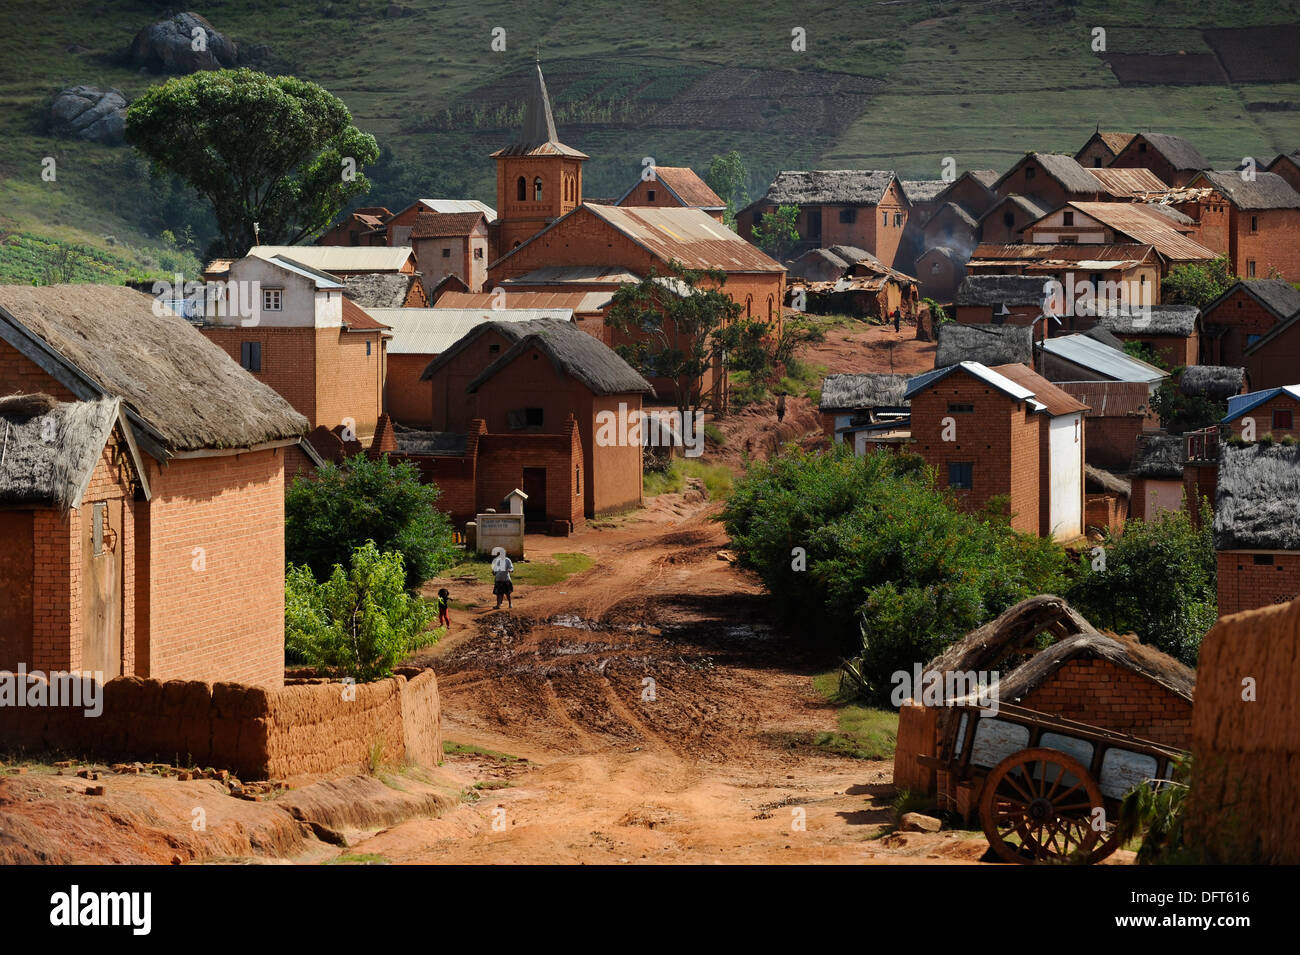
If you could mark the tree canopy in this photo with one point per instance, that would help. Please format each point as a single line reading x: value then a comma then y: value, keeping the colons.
x: 726, y: 177
x: 277, y: 151
x: 1195, y: 284
x: 777, y: 232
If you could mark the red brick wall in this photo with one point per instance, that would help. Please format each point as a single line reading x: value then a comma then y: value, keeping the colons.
x: 640, y: 196
x: 1132, y: 157
x: 1274, y: 246
x: 348, y: 381
x: 17, y: 579
x: 1102, y: 694
x: 1263, y: 416
x: 1094, y: 151
x: 1242, y: 315
x: 1278, y: 363
x: 1245, y: 585
x: 20, y: 374
x: 1041, y: 187
x: 288, y: 361
x: 503, y: 457
x: 1174, y: 349
x: 408, y: 399
x: 1112, y: 441
x: 1104, y: 511
x: 1000, y: 438
x: 972, y: 197
x: 452, y: 409
x: 519, y: 221
x: 226, y: 620
x: 1199, y: 481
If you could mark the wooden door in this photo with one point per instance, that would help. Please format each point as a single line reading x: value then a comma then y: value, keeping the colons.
x: 101, y: 588
x: 535, y: 488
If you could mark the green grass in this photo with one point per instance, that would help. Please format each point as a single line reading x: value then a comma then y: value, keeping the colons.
x: 360, y: 858
x: 536, y: 573
x: 864, y: 732
x: 467, y: 749
x: 717, y: 478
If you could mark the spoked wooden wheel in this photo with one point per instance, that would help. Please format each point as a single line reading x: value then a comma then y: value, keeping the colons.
x: 1044, y: 800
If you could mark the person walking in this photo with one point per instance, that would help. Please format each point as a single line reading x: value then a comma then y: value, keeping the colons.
x: 502, y: 585
x: 443, y: 606
x: 898, y: 321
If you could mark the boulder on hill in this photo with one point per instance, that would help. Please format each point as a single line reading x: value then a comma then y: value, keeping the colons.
x: 88, y: 112
x: 168, y: 46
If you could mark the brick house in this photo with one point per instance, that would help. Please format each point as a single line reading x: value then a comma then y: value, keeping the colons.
x: 1272, y: 411
x: 451, y: 244
x: 167, y: 559
x: 950, y: 227
x: 305, y: 340
x: 1157, y: 475
x: 399, y: 225
x: 1173, y: 159
x: 865, y: 208
x: 1088, y: 356
x: 1101, y: 149
x: 1287, y: 165
x: 940, y: 271
x: 1004, y: 221
x: 339, y: 261
x: 674, y: 186
x: 1003, y: 432
x: 843, y: 280
x: 529, y: 378
x: 1049, y: 180
x: 1257, y: 526
x: 371, y: 290
x: 363, y: 226
x: 1118, y: 413
x: 1263, y: 223
x: 1001, y: 300
x: 972, y: 190
x: 419, y: 335
x: 1249, y: 325
x: 1172, y: 332
x: 851, y: 401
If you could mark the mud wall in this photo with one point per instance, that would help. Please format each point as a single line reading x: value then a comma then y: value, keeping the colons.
x: 1245, y: 804
x: 309, y: 728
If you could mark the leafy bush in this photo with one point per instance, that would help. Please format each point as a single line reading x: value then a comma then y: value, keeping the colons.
x: 890, y: 562
x: 1159, y: 582
x: 329, y: 516
x: 1180, y: 413
x: 1156, y: 813
x: 359, y: 622
x: 1197, y: 285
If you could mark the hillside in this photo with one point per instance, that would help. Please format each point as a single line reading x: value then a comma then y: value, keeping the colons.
x: 901, y: 86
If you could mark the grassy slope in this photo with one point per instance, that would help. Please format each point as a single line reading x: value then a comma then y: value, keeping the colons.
x: 979, y: 81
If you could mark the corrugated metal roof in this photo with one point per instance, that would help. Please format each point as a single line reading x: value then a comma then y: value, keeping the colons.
x: 691, y: 236
x: 983, y: 373
x: 431, y: 331
x: 340, y: 258
x: 1091, y: 354
x: 1048, y: 255
x: 1129, y: 183
x: 578, y: 301
x: 576, y: 274
x: 1137, y: 222
x: 1111, y: 399
x: 319, y: 278
x: 1056, y: 400
x: 1238, y: 405
x: 460, y: 205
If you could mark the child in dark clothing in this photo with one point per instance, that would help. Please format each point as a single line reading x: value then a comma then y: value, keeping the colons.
x: 443, y: 606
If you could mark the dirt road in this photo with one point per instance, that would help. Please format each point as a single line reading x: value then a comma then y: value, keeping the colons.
x: 656, y: 715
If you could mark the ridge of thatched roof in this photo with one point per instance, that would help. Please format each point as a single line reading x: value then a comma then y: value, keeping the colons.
x: 1151, y: 320
x: 1106, y: 481
x: 837, y: 186
x: 922, y: 190
x: 575, y: 354
x: 1000, y: 290
x: 1104, y: 335
x: 49, y: 449
x: 987, y: 344
x: 1180, y: 153
x: 857, y: 392
x: 1074, y: 178
x: 1159, y: 456
x: 1257, y: 500
x: 1277, y: 295
x: 380, y: 289
x: 1217, y: 382
x: 1012, y: 635
x: 1267, y: 190
x: 108, y: 341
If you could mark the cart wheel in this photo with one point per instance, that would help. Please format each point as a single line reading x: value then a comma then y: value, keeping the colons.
x: 1046, y: 799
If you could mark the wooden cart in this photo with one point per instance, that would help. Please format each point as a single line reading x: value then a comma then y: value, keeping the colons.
x: 1049, y: 788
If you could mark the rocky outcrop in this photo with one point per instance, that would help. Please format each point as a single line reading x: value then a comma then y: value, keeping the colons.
x: 168, y: 46
x: 88, y: 112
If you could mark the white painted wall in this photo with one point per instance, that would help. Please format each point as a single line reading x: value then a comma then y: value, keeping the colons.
x: 302, y: 304
x: 1065, y: 447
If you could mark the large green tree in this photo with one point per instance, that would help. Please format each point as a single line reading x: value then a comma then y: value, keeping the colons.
x: 1196, y: 283
x: 726, y: 177
x: 672, y: 324
x: 777, y: 232
x: 273, y: 150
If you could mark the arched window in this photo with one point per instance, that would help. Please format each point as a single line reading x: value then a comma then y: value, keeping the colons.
x: 523, y: 189
x: 769, y: 308
x: 537, y: 189
x: 749, y: 306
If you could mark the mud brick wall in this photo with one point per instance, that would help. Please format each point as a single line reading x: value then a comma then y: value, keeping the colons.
x: 916, y: 737
x: 1101, y: 694
x: 1245, y: 584
x: 1246, y: 755
x: 1105, y: 511
x: 257, y: 733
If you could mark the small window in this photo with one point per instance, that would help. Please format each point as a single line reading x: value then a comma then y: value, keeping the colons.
x: 955, y: 408
x: 1069, y: 218
x: 960, y: 475
x: 1282, y: 419
x: 1263, y: 558
x: 1008, y: 219
x: 272, y: 299
x: 446, y: 253
x: 1250, y: 268
x: 898, y: 218
x: 521, y: 187
x: 100, y: 522
x: 367, y: 349
x: 537, y: 189
x: 650, y: 195
x: 1096, y: 162
x: 848, y: 216
x: 533, y: 417
x: 884, y: 220
x: 493, y: 349
x: 250, y: 356
x: 1254, y: 223
x: 1251, y: 339
x: 1142, y: 147
x: 1030, y: 172
x: 478, y: 253
x: 1069, y: 240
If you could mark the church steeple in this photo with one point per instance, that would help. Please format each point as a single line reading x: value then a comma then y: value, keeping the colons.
x: 539, y: 178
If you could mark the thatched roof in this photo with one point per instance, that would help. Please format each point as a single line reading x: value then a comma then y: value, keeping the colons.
x: 1180, y: 153
x: 49, y: 449
x: 1257, y: 501
x: 575, y: 354
x: 1074, y: 178
x: 1101, y: 481
x: 380, y: 289
x: 1216, y: 382
x: 1105, y: 336
x: 1267, y: 190
x: 1152, y: 320
x: 1010, y: 639
x: 987, y: 344
x: 184, y: 391
x: 440, y: 443
x: 1159, y: 456
x: 1277, y: 295
x: 995, y: 290
x: 858, y: 392
x: 836, y: 186
x: 922, y: 190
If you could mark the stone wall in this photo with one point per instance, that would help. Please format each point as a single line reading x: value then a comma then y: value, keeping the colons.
x: 258, y: 733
